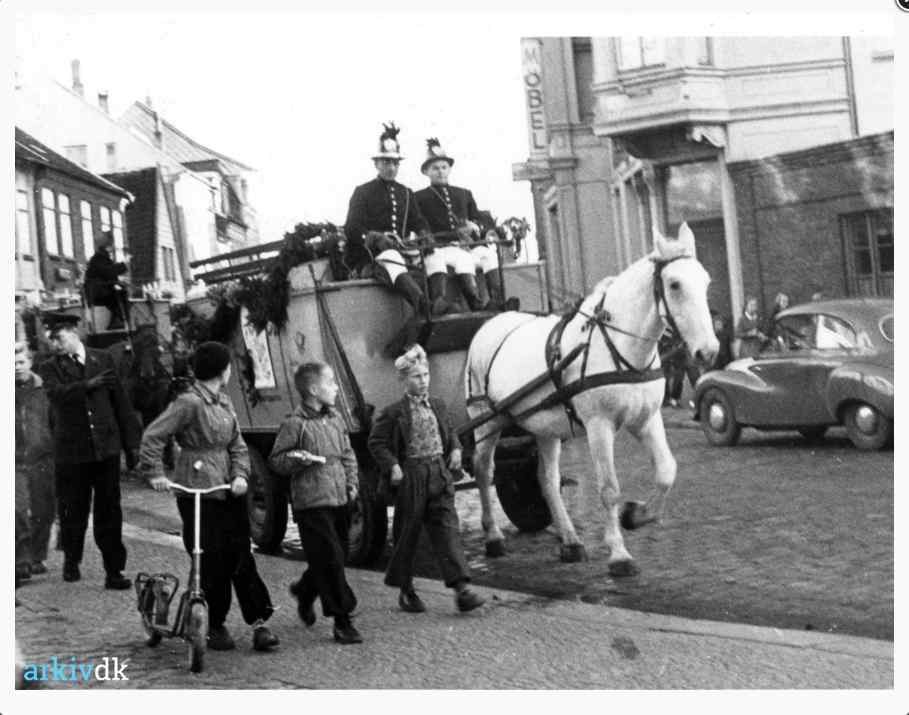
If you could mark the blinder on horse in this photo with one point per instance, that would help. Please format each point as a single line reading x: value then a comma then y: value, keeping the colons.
x: 624, y: 373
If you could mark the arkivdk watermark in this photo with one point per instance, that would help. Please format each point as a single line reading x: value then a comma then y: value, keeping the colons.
x: 72, y: 670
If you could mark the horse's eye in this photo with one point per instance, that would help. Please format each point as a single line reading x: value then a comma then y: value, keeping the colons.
x: 675, y: 285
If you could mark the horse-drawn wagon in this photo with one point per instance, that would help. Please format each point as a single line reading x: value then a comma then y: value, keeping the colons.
x: 350, y: 324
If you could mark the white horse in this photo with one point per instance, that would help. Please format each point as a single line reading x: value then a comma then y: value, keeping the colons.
x: 630, y: 312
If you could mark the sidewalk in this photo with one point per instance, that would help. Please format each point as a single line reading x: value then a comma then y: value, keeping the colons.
x: 516, y: 641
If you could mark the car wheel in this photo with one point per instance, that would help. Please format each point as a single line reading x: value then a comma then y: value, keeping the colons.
x: 867, y: 427
x: 718, y: 420
x: 814, y: 433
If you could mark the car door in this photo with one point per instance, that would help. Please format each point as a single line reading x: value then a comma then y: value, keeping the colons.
x: 785, y: 369
x: 835, y: 342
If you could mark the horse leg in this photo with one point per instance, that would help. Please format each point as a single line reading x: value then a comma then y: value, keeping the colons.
x: 483, y: 465
x: 600, y: 438
x: 653, y: 436
x: 550, y: 449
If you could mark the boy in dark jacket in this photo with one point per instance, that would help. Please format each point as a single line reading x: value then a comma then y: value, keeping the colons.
x: 35, y: 499
x: 313, y: 449
x: 413, y: 441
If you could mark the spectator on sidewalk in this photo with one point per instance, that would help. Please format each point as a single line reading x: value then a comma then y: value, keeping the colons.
x: 212, y: 452
x: 780, y: 303
x: 93, y: 422
x: 313, y: 449
x: 35, y: 498
x: 722, y: 328
x: 748, y: 333
x: 413, y: 441
x: 677, y: 364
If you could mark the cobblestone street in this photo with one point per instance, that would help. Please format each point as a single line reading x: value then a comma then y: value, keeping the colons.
x: 775, y: 532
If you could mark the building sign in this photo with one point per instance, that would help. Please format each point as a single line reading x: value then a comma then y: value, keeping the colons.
x: 532, y: 66
x: 257, y: 345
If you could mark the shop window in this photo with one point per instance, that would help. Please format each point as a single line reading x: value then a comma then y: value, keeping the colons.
x: 88, y: 233
x: 49, y: 216
x: 639, y: 52
x: 868, y: 239
x: 23, y: 225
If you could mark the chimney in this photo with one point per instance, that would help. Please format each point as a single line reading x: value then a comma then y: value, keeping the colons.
x: 102, y: 101
x: 77, y: 82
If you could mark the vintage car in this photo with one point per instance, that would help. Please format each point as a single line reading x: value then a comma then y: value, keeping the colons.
x: 826, y: 363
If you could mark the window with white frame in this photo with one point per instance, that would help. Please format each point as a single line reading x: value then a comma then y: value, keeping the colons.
x: 110, y: 151
x: 117, y: 221
x: 104, y: 215
x: 66, y: 226
x: 49, y: 216
x: 168, y: 263
x: 23, y: 225
x: 88, y: 233
x: 638, y: 52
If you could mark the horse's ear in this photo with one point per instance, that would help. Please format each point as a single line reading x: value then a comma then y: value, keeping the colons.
x: 686, y: 237
x: 659, y: 244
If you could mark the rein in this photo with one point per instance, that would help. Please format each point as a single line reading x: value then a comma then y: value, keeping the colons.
x: 556, y: 363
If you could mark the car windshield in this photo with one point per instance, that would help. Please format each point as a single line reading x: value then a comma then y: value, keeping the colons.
x: 817, y: 332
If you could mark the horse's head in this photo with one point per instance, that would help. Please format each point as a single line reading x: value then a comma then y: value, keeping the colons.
x: 681, y: 281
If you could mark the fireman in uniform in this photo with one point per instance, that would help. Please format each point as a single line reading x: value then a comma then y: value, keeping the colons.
x: 93, y: 422
x: 383, y: 212
x: 453, y: 217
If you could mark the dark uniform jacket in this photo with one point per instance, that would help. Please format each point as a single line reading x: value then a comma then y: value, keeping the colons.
x: 435, y: 210
x: 89, y: 425
x: 100, y: 276
x: 391, y: 432
x: 371, y: 209
x: 34, y: 441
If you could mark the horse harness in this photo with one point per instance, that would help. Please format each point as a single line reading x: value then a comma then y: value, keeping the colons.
x: 556, y: 363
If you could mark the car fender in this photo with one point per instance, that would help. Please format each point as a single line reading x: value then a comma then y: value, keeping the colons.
x: 736, y: 381
x: 861, y: 382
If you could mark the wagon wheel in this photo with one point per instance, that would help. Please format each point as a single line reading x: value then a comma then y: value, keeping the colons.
x: 518, y: 488
x: 266, y: 504
x: 368, y: 525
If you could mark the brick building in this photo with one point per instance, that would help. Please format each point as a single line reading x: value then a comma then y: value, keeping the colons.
x: 634, y: 133
x: 820, y: 219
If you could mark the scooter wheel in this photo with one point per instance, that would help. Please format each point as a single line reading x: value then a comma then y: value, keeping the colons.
x: 197, y: 635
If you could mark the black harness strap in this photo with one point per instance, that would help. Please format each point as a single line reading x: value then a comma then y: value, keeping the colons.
x: 625, y: 372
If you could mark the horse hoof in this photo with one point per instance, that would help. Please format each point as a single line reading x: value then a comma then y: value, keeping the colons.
x: 634, y: 515
x: 623, y: 569
x: 573, y: 553
x: 495, y: 549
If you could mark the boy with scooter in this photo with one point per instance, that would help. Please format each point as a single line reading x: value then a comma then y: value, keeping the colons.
x: 213, y: 453
x: 313, y: 449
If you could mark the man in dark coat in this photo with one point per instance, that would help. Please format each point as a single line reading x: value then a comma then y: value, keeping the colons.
x: 381, y: 213
x: 92, y: 422
x: 453, y: 217
x: 102, y: 284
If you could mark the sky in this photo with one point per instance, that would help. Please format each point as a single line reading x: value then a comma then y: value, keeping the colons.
x: 302, y: 97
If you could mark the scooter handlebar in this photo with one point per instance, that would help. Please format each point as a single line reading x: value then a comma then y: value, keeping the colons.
x: 180, y: 487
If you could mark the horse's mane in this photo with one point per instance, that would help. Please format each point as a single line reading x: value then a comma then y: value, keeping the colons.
x: 672, y: 249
